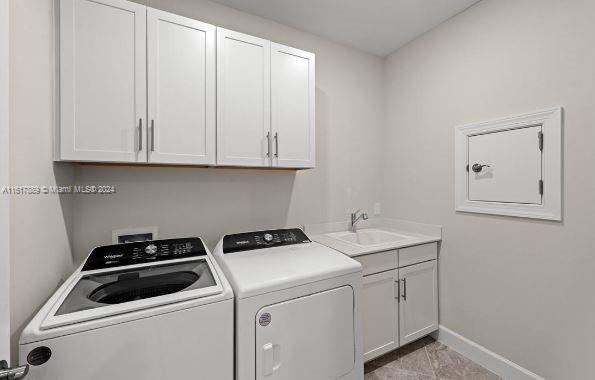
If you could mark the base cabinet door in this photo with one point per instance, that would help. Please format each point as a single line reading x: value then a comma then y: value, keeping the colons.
x: 380, y: 313
x: 181, y: 89
x: 102, y: 81
x: 292, y: 107
x: 418, y: 309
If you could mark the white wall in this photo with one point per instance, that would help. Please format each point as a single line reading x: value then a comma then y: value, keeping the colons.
x: 4, y: 181
x: 211, y: 202
x: 521, y: 288
x: 39, y: 243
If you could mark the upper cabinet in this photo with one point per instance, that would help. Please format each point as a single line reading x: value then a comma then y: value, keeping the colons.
x: 181, y: 89
x: 243, y: 99
x: 139, y: 85
x: 292, y: 107
x: 102, y: 81
x: 265, y: 103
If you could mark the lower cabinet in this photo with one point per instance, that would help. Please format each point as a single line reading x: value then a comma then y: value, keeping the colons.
x: 381, y: 317
x: 418, y: 309
x: 399, y: 306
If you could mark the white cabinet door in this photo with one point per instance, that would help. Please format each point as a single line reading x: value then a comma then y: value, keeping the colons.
x: 102, y: 81
x: 418, y: 309
x: 311, y: 337
x: 243, y: 99
x: 292, y: 107
x: 513, y: 166
x: 181, y: 89
x: 380, y: 316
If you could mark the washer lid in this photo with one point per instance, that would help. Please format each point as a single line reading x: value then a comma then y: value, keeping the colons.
x: 101, y: 293
x: 102, y: 289
x: 265, y: 270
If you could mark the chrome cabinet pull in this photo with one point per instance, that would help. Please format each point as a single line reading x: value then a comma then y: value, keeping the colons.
x: 276, y: 144
x: 152, y: 135
x: 140, y: 134
x: 15, y: 373
x: 268, y: 144
x: 404, y: 289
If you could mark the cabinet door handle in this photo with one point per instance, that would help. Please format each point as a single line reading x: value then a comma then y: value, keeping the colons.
x: 268, y: 144
x: 140, y: 134
x: 404, y: 289
x: 276, y: 144
x: 398, y: 286
x: 152, y: 135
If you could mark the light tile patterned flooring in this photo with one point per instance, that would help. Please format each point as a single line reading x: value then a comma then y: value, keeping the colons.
x: 425, y: 359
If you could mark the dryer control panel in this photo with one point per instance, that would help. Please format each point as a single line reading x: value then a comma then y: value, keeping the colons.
x: 118, y: 255
x: 249, y: 241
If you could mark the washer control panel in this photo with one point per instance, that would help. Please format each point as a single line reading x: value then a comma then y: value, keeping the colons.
x: 118, y: 255
x: 249, y: 241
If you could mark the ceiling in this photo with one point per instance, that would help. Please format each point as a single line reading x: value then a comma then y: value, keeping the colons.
x: 375, y: 26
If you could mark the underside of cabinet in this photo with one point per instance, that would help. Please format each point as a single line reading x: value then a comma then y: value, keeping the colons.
x: 147, y: 165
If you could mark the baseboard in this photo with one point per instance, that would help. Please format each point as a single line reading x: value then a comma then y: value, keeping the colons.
x: 484, y: 357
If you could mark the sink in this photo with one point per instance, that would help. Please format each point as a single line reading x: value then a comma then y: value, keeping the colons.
x: 369, y: 236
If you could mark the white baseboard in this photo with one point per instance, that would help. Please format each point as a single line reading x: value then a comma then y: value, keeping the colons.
x: 482, y: 356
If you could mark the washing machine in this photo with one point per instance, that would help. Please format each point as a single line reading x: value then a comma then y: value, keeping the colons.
x: 297, y: 306
x: 151, y: 310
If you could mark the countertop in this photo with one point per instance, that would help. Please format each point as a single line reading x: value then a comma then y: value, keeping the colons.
x: 419, y: 233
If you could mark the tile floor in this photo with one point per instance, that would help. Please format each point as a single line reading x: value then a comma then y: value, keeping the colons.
x: 425, y: 359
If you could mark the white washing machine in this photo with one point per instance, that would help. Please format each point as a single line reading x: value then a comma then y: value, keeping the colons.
x: 153, y: 310
x: 297, y: 307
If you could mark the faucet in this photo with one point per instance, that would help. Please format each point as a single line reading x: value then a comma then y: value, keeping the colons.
x: 355, y: 219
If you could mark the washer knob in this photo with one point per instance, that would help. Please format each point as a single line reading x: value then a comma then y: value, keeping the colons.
x: 151, y: 249
x: 268, y: 238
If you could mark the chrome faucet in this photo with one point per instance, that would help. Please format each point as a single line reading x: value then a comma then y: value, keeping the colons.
x: 355, y: 219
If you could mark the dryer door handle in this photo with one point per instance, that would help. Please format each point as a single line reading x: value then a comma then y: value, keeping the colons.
x: 271, y: 358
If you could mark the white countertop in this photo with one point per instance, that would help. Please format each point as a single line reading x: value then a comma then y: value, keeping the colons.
x: 418, y: 233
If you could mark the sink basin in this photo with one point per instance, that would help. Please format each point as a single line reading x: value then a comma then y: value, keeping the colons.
x: 370, y: 236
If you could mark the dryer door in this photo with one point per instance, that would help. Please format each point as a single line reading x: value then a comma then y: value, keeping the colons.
x: 311, y: 337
